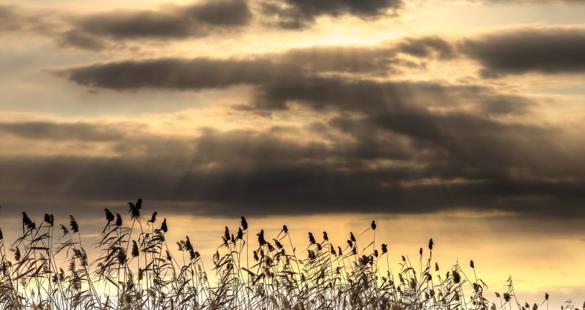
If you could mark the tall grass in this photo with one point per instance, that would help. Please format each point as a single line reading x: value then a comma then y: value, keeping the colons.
x: 136, y: 267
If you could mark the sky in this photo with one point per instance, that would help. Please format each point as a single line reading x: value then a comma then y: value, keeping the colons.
x: 460, y: 120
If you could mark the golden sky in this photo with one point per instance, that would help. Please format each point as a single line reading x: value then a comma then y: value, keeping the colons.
x: 460, y: 120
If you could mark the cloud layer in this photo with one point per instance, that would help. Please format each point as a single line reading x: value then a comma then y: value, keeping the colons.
x: 402, y: 126
x: 194, y: 20
x: 521, y: 51
x: 302, y: 13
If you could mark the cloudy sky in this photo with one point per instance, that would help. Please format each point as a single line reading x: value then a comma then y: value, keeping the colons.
x: 465, y: 113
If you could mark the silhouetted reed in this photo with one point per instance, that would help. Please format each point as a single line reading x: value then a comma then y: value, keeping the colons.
x: 136, y: 268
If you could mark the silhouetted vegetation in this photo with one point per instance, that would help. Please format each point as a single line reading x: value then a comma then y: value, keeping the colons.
x: 136, y: 267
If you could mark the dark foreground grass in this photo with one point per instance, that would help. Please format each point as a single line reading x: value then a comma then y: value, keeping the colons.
x: 47, y: 267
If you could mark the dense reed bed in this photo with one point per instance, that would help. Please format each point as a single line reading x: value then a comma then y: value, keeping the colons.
x: 136, y: 267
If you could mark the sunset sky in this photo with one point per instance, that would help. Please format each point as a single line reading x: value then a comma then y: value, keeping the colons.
x: 460, y: 120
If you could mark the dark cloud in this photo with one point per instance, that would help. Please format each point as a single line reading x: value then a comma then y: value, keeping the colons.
x: 302, y: 13
x: 276, y: 175
x: 472, y: 147
x: 373, y: 97
x: 201, y: 73
x: 193, y: 74
x: 113, y: 28
x: 546, y: 50
x: 44, y: 130
x: 465, y: 139
x: 224, y: 13
x: 181, y: 22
